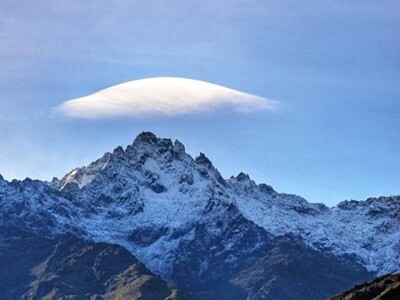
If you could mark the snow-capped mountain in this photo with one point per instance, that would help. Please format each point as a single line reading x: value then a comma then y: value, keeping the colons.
x: 186, y: 223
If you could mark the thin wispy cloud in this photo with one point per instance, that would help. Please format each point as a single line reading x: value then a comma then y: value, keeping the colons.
x: 163, y: 96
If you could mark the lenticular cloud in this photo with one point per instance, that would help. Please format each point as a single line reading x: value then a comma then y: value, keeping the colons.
x: 162, y: 96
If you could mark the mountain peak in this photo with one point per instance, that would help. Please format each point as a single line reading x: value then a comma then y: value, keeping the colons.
x: 179, y: 147
x: 146, y: 137
x: 149, y: 142
x: 202, y: 159
x: 119, y: 151
x: 161, y: 152
x: 242, y: 177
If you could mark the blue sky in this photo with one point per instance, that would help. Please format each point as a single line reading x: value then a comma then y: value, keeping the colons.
x: 333, y: 65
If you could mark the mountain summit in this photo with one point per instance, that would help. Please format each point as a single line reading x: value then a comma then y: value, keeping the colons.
x: 214, y: 237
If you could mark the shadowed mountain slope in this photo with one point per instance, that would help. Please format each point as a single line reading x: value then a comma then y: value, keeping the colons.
x: 34, y: 267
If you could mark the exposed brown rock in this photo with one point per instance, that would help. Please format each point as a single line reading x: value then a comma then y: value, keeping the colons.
x: 383, y: 288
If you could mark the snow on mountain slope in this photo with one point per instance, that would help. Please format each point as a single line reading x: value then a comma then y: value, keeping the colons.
x: 153, y: 190
x: 152, y: 198
x: 368, y: 229
x: 83, y: 176
x: 34, y: 205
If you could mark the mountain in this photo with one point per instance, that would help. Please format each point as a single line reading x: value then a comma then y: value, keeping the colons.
x: 383, y: 288
x: 36, y: 267
x: 209, y: 235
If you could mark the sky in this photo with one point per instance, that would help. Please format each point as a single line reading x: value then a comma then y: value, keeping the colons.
x: 332, y: 66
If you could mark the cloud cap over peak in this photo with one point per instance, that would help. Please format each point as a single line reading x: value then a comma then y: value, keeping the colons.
x: 162, y: 96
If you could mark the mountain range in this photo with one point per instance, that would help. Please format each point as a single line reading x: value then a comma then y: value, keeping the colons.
x: 152, y: 219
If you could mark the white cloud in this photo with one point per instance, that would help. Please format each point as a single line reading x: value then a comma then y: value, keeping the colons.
x: 162, y: 96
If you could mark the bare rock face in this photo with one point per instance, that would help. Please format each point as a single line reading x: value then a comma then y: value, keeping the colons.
x: 383, y: 288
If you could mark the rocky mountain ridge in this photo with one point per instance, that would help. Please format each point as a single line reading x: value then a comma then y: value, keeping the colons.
x: 383, y: 288
x: 162, y: 205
